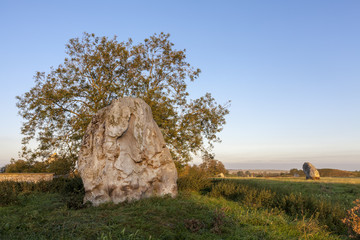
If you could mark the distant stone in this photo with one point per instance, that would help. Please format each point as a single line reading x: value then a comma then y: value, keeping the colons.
x: 310, y: 171
x: 124, y: 156
x: 220, y: 175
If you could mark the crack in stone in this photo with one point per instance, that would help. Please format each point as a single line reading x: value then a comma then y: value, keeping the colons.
x: 129, y: 121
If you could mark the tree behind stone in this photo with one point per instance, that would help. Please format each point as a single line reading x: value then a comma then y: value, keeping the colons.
x: 59, y: 107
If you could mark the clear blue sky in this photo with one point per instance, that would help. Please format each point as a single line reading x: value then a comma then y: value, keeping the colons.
x: 291, y: 68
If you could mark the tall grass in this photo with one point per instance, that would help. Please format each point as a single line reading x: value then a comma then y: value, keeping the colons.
x: 296, y: 205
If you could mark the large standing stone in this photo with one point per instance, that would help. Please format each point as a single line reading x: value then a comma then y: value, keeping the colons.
x: 310, y: 171
x: 124, y: 156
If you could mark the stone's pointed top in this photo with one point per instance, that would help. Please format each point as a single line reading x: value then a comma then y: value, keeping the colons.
x: 127, y: 100
x: 124, y: 156
x: 310, y: 171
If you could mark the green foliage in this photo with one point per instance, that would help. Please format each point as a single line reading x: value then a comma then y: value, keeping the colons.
x: 60, y: 166
x: 193, y: 178
x: 22, y: 166
x: 211, y: 166
x: 8, y: 193
x: 71, y: 189
x: 198, y: 178
x: 57, y: 165
x: 60, y: 106
x: 242, y: 193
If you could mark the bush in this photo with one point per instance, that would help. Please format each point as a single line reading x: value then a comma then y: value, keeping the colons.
x: 71, y: 189
x: 8, y: 193
x: 193, y: 179
x: 241, y: 193
x: 352, y: 220
x: 68, y: 185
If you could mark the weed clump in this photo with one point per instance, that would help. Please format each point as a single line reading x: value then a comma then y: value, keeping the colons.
x: 219, y: 220
x: 217, y: 224
x: 194, y: 225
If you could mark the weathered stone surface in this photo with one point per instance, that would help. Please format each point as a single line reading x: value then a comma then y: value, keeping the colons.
x: 310, y: 171
x: 124, y: 156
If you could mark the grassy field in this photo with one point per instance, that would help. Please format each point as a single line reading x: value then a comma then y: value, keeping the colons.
x: 225, y: 209
x: 342, y: 191
x: 345, y: 180
x: 189, y: 216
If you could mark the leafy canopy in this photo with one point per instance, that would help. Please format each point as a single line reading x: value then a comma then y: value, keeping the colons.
x: 97, y: 70
x: 59, y: 166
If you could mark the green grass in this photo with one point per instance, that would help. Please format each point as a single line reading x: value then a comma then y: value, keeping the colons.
x: 45, y: 216
x: 341, y: 191
x: 245, y: 208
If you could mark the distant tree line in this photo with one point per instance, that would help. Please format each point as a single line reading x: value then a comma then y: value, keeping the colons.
x: 244, y: 174
x: 55, y: 164
x: 209, y: 168
x: 257, y: 174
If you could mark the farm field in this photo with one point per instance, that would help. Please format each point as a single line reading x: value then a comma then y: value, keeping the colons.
x: 241, y: 208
